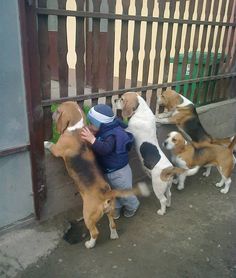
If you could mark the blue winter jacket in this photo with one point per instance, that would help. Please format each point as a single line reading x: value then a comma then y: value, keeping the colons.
x: 112, y: 145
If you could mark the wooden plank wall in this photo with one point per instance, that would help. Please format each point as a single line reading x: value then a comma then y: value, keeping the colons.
x: 203, y: 33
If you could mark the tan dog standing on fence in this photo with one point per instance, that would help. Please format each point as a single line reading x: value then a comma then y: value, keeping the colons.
x: 97, y: 196
x: 181, y: 112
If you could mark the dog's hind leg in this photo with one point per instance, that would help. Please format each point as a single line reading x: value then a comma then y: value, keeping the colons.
x: 159, y: 189
x: 93, y: 237
x: 91, y: 217
x: 112, y: 226
x: 182, y: 178
x: 227, y: 183
x: 225, y: 190
x: 163, y: 201
x: 221, y: 183
x: 93, y: 234
x: 224, y: 181
x: 168, y: 195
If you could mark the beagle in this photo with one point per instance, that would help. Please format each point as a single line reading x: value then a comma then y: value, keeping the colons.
x: 181, y: 111
x: 142, y: 124
x: 194, y: 155
x: 97, y: 196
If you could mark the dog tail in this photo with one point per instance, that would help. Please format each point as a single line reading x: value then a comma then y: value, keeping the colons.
x: 232, y: 144
x: 221, y: 141
x: 169, y: 172
x: 140, y: 190
x: 192, y: 171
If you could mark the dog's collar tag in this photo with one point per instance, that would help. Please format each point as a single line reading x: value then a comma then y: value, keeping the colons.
x: 78, y: 125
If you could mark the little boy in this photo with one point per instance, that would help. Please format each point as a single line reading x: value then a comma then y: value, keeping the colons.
x: 111, y: 143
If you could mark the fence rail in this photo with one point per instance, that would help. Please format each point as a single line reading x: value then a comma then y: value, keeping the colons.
x: 141, y: 89
x: 98, y: 15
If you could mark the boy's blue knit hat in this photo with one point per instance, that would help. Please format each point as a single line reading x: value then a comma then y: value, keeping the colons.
x: 100, y: 114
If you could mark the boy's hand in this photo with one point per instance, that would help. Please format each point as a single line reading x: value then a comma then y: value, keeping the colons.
x: 87, y: 135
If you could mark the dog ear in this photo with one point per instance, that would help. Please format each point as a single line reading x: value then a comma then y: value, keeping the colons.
x: 129, y: 107
x: 127, y: 110
x: 62, y: 122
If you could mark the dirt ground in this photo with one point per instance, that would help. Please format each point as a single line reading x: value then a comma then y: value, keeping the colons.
x: 196, y: 238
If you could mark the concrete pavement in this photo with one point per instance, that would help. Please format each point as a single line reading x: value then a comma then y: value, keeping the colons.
x: 196, y: 238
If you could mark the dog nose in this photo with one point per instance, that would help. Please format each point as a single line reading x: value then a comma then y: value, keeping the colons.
x: 164, y: 144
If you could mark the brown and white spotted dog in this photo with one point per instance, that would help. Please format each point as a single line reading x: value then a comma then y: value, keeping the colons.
x: 181, y: 111
x: 193, y: 156
x: 142, y: 124
x: 97, y: 196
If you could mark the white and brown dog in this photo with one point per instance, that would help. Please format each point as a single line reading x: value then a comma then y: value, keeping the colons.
x: 181, y: 112
x: 142, y: 124
x: 97, y: 196
x: 193, y: 156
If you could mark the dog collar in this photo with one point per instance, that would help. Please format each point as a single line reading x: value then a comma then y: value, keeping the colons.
x: 185, y: 102
x: 78, y: 125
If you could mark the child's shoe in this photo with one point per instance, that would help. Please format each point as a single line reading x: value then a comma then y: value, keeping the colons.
x: 129, y: 213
